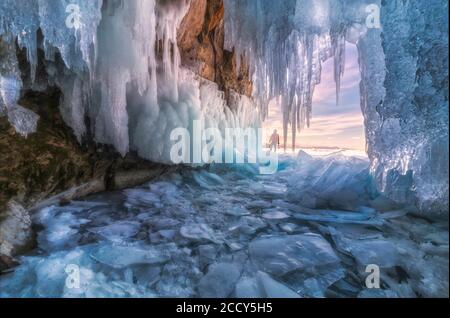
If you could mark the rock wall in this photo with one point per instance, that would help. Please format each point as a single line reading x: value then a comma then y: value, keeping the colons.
x: 51, y: 160
x: 201, y: 42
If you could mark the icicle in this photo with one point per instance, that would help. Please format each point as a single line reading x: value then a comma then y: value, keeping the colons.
x: 338, y: 46
x: 23, y: 120
x: 73, y: 40
x: 170, y: 16
x: 120, y: 72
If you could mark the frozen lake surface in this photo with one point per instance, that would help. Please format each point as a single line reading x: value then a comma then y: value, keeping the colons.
x: 311, y: 230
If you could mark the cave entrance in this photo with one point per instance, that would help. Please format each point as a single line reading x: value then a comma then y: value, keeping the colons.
x: 333, y: 127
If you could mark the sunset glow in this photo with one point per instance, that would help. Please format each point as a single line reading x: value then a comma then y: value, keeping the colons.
x: 332, y: 125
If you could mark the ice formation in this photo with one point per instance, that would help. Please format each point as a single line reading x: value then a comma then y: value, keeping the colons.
x: 285, y: 44
x: 176, y: 237
x: 403, y: 61
x: 334, y: 180
x: 405, y: 84
x: 117, y: 64
x: 22, y: 119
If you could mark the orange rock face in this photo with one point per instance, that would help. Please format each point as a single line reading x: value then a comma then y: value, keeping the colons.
x: 201, y: 43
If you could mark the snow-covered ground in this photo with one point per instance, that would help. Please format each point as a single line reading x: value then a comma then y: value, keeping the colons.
x: 310, y: 230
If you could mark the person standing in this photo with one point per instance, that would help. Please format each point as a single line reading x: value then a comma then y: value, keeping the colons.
x: 274, y: 141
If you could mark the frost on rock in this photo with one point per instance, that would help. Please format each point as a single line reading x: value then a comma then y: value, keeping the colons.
x: 23, y: 120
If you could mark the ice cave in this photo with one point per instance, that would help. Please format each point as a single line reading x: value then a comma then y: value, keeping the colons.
x: 93, y: 204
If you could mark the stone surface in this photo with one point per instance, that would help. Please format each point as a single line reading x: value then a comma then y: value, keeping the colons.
x: 201, y: 43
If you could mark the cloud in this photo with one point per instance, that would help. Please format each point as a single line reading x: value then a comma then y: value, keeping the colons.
x: 333, y: 124
x: 326, y: 90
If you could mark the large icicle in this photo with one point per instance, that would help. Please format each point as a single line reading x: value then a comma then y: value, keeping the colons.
x: 285, y: 44
x: 119, y: 71
x: 22, y: 119
x: 20, y: 20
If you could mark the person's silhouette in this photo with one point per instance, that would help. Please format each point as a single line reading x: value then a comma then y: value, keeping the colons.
x: 274, y: 141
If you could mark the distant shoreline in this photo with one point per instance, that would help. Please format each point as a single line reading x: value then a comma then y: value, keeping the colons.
x: 318, y: 147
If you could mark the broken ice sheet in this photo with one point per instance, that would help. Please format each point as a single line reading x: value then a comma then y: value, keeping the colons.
x: 206, y: 179
x: 392, y: 250
x: 379, y: 251
x: 258, y: 204
x: 377, y: 293
x: 236, y: 211
x: 269, y: 191
x: 263, y: 286
x: 119, y: 231
x: 199, y: 233
x: 368, y: 246
x: 142, y: 199
x: 315, y: 283
x: 275, y: 214
x: 248, y: 225
x: 45, y: 276
x: 146, y: 275
x: 61, y: 228
x: 119, y: 257
x: 162, y: 223
x: 307, y: 265
x: 335, y: 181
x: 364, y: 217
x: 220, y: 281
x: 279, y: 255
x: 289, y: 227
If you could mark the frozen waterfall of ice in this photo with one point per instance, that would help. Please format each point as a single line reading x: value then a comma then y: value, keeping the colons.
x: 120, y: 68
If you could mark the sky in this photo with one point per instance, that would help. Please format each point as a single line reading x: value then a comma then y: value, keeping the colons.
x: 331, y: 125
